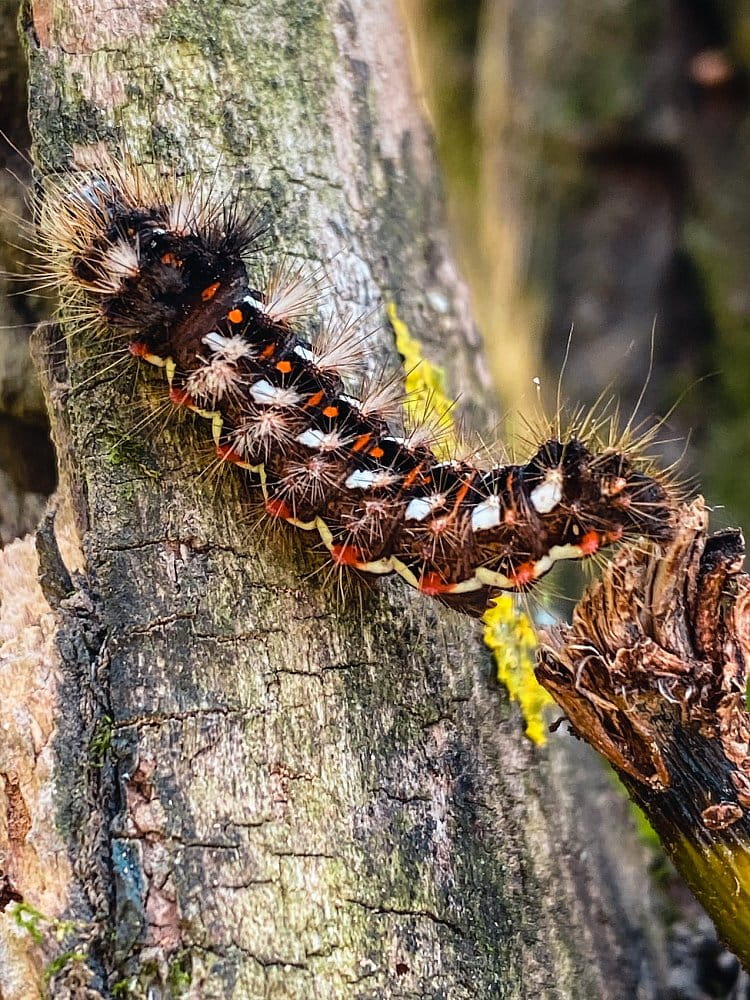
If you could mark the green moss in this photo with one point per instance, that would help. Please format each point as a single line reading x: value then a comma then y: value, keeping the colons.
x: 125, y: 451
x: 58, y: 964
x: 179, y: 975
x: 50, y: 933
x: 29, y: 919
x: 101, y: 742
x: 141, y: 983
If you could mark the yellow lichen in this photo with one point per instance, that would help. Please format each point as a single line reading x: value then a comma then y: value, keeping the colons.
x: 508, y: 632
x: 426, y: 400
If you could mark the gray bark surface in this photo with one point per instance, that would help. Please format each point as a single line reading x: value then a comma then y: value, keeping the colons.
x: 263, y: 790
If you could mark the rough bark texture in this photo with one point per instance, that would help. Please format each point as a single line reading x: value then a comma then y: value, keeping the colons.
x: 653, y: 672
x: 254, y: 788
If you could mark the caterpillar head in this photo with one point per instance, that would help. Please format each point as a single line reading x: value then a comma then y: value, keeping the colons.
x: 589, y: 499
x: 640, y: 501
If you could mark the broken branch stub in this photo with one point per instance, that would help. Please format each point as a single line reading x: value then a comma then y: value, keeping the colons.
x: 653, y: 672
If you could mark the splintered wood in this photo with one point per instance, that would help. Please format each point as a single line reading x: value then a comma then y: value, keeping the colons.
x: 653, y: 673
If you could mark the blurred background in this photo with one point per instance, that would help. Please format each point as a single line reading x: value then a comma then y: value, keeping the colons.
x: 27, y: 467
x: 596, y: 163
x: 597, y: 166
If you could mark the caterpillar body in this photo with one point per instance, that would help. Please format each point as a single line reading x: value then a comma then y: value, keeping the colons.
x: 164, y: 266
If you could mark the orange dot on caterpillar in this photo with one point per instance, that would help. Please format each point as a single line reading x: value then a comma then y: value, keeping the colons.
x: 433, y: 585
x: 590, y: 543
x: 178, y: 396
x: 228, y: 454
x: 346, y: 555
x: 278, y: 508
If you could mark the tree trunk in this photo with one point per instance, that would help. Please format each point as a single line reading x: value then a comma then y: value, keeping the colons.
x: 221, y: 779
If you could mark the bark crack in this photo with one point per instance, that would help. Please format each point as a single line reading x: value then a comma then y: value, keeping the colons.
x: 418, y: 914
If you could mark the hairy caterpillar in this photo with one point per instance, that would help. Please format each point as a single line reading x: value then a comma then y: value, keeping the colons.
x: 166, y: 267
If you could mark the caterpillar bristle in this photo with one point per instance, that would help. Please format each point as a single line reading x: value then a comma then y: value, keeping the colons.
x: 383, y: 398
x: 262, y: 432
x: 292, y: 293
x: 158, y: 264
x: 341, y: 348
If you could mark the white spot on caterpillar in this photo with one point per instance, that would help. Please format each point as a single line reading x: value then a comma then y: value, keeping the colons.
x: 350, y: 400
x: 263, y: 392
x: 548, y: 494
x: 254, y: 303
x: 421, y: 507
x: 365, y: 479
x: 486, y: 514
x: 214, y: 340
x: 305, y: 353
x: 228, y: 348
x: 314, y: 438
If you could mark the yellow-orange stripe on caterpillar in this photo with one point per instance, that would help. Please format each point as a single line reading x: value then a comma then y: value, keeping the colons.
x: 167, y: 268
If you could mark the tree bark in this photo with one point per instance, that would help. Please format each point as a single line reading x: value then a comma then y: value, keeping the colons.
x: 230, y: 782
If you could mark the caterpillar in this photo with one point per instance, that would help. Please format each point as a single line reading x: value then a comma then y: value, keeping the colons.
x: 165, y: 267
